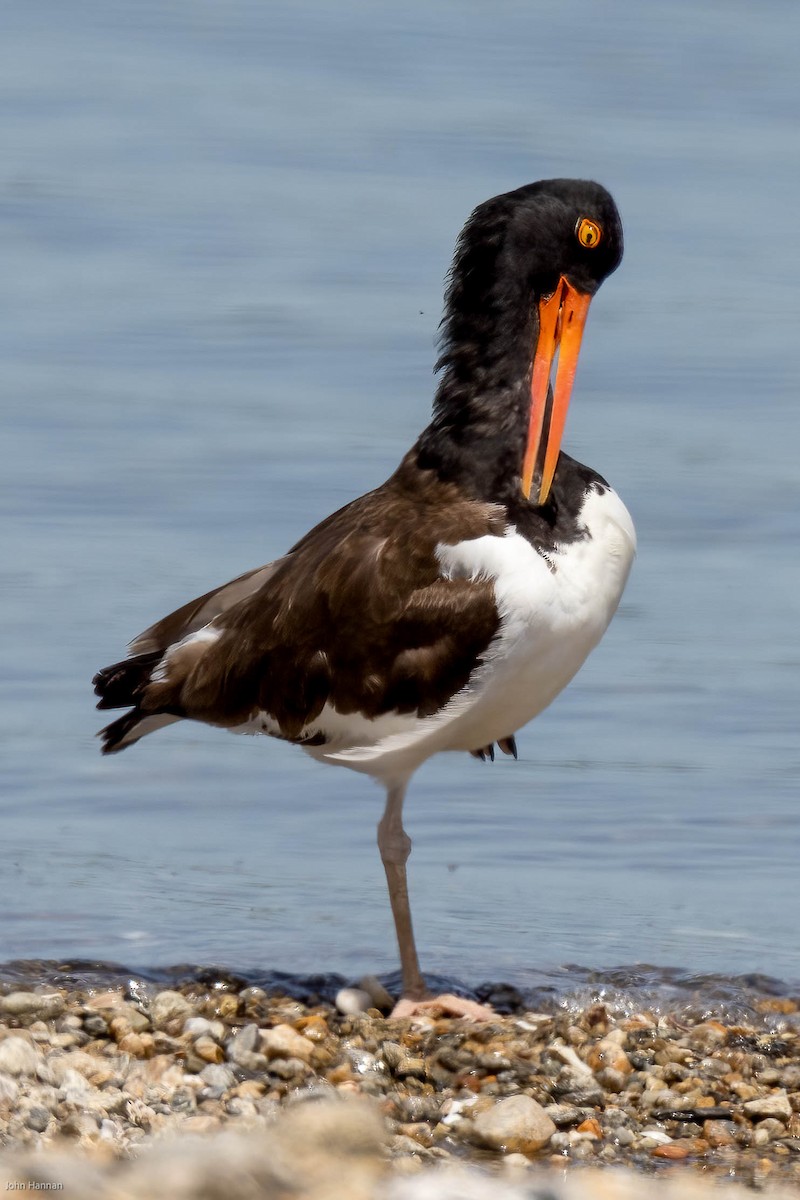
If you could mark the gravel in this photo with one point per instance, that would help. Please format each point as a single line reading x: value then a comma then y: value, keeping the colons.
x: 105, y: 1089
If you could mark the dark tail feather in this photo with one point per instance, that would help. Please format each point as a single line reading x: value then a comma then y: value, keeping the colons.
x: 121, y: 684
x: 114, y: 735
x: 128, y: 729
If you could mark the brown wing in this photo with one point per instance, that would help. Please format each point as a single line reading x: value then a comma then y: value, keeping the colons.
x: 357, y: 614
x: 197, y: 613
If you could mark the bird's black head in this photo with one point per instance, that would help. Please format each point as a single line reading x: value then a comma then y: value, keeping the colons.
x: 525, y: 268
x: 557, y: 227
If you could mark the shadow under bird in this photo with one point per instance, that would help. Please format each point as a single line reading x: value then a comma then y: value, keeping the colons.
x: 449, y: 606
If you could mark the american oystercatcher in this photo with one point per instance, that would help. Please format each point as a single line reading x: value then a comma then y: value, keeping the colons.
x: 449, y: 606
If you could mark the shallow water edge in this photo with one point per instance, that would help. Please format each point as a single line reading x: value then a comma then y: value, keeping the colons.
x: 753, y: 998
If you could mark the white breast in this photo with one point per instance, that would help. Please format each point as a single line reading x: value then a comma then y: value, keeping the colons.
x: 552, y: 614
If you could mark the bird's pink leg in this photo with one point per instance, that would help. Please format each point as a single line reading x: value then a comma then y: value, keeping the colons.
x: 395, y: 847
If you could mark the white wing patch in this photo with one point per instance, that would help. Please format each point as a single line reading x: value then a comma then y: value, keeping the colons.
x: 189, y: 647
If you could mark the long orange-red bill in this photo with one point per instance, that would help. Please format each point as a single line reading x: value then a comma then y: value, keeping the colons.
x: 562, y: 317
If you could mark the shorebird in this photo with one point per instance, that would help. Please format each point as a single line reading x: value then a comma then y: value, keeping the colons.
x: 449, y: 606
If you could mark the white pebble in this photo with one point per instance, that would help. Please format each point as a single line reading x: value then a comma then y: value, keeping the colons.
x: 657, y: 1135
x: 352, y: 1001
x: 199, y: 1027
x: 568, y: 1056
x: 18, y: 1057
x: 19, y: 1004
x: 515, y: 1123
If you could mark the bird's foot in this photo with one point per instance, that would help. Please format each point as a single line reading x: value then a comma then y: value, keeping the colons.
x: 446, y: 1005
x: 508, y: 745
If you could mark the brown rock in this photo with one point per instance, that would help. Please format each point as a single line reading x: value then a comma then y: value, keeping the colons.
x: 314, y: 1027
x: 250, y: 1089
x: 285, y: 1042
x: 709, y: 1033
x: 777, y: 1004
x: 119, y: 1027
x: 719, y: 1133
x: 609, y: 1053
x: 132, y: 1044
x: 672, y: 1150
x: 209, y: 1050
x: 225, y: 1006
x: 109, y: 999
x: 342, y: 1073
x: 745, y: 1091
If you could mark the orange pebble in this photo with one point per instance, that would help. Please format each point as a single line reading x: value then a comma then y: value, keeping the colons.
x: 670, y: 1150
x: 470, y: 1081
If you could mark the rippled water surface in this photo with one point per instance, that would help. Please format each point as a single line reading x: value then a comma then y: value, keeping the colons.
x: 224, y: 236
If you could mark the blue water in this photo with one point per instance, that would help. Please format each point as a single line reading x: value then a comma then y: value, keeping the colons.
x: 224, y: 233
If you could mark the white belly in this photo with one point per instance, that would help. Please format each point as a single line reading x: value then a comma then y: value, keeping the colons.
x: 551, y: 617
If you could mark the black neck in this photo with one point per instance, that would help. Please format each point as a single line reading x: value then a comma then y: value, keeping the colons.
x: 482, y: 405
x: 479, y: 443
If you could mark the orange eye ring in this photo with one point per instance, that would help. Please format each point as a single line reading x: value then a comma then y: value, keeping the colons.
x: 588, y: 233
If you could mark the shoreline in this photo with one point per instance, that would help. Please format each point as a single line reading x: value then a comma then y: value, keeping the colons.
x: 663, y: 989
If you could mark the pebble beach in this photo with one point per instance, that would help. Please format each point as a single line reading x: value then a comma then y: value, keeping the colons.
x: 215, y: 1087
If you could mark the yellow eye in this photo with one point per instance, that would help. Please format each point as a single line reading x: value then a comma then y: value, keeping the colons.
x: 588, y: 233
